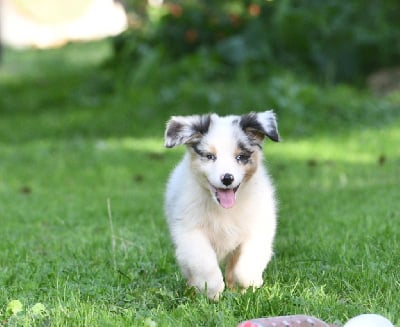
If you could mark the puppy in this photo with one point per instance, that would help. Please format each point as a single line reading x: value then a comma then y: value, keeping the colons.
x: 219, y: 202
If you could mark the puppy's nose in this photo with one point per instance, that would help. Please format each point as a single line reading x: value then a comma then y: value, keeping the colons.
x: 227, y: 179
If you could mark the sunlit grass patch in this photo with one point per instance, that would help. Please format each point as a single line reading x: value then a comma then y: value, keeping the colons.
x: 142, y: 144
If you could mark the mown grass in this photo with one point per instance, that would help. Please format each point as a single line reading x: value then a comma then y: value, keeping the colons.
x: 73, y: 135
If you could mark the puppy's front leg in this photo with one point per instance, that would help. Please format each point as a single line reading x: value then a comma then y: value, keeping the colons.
x: 199, y: 263
x: 251, y: 260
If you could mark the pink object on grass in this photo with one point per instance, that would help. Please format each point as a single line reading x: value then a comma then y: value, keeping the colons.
x: 285, y: 321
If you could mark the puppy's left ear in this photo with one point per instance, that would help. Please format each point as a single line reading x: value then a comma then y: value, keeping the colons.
x: 258, y: 125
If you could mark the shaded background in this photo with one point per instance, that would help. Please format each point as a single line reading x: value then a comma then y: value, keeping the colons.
x: 293, y: 56
x: 333, y: 41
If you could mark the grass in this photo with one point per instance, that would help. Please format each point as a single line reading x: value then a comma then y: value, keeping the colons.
x: 73, y: 135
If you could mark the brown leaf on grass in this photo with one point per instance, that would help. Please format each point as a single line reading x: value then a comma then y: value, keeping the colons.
x: 138, y: 178
x: 312, y: 162
x: 25, y: 190
x: 156, y: 156
x: 381, y: 160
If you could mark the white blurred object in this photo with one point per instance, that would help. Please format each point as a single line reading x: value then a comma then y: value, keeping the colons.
x: 155, y: 3
x: 24, y: 26
x: 368, y: 320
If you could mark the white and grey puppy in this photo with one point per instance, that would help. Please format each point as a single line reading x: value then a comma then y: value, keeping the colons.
x: 220, y: 202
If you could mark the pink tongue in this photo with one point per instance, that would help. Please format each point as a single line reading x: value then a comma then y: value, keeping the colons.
x: 226, y: 198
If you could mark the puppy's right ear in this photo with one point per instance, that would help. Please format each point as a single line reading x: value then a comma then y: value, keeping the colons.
x: 186, y: 129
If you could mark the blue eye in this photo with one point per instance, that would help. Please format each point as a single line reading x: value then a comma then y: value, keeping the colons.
x: 243, y: 158
x: 210, y: 156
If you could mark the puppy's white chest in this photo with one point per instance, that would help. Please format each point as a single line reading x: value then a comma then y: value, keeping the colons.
x: 225, y: 232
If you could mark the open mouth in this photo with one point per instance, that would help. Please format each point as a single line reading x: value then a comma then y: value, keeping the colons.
x: 226, y: 197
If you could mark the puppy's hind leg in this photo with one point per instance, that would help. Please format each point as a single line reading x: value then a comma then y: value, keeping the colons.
x: 199, y: 263
x: 230, y: 265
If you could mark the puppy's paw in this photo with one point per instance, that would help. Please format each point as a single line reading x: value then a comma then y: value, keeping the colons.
x: 246, y: 278
x: 216, y: 292
x: 212, y: 285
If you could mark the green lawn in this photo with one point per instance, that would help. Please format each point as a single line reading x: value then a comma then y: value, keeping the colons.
x: 73, y: 135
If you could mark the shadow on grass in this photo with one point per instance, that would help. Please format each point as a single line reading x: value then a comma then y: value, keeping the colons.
x: 66, y: 93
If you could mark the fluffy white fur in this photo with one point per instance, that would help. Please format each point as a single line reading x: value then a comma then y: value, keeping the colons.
x: 205, y: 233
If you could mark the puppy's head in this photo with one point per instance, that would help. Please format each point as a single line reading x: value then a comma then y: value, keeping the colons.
x: 225, y: 151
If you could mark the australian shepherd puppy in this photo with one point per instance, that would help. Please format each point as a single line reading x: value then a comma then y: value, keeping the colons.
x: 220, y: 202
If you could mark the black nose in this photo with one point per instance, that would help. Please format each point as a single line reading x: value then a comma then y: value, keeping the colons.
x: 227, y: 179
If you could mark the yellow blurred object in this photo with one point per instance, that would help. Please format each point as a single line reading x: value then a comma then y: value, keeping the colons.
x: 50, y: 11
x: 49, y: 23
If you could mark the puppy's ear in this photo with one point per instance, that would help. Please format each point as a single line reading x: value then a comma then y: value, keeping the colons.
x: 186, y: 129
x: 258, y: 125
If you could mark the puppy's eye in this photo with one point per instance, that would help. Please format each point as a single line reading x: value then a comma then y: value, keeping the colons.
x: 210, y: 156
x: 243, y: 158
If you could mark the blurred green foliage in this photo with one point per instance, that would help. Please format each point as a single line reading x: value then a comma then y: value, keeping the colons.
x: 333, y: 40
